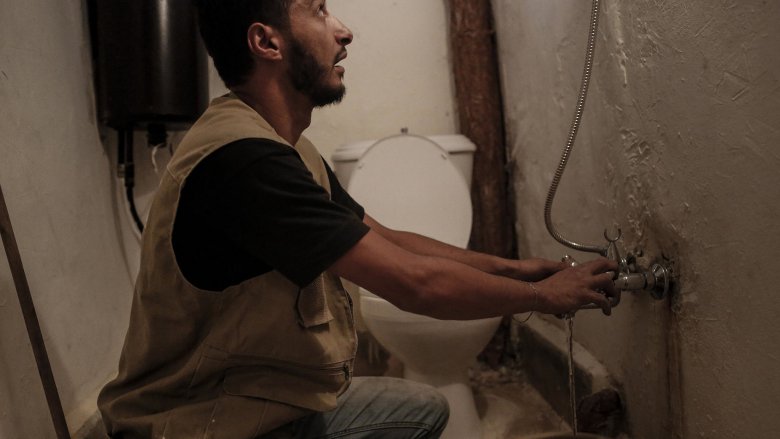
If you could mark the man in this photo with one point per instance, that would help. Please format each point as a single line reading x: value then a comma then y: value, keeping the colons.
x: 240, y: 328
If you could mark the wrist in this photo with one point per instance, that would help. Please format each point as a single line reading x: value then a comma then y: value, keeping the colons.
x: 536, y: 299
x: 534, y: 302
x: 511, y: 268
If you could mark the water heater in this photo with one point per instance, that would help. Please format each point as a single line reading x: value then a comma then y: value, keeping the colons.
x: 151, y: 73
x: 150, y: 65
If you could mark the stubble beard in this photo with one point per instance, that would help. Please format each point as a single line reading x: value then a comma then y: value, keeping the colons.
x: 309, y: 77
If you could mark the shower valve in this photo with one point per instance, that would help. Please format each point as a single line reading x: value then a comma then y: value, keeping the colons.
x: 656, y: 280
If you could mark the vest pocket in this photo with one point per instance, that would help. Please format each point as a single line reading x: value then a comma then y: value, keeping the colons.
x: 309, y: 388
x: 312, y: 303
x: 209, y: 370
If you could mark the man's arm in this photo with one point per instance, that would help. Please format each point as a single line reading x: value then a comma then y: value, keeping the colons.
x: 527, y: 269
x: 448, y: 289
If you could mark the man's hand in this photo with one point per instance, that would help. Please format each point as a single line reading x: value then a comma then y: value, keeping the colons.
x: 535, y: 269
x: 574, y: 287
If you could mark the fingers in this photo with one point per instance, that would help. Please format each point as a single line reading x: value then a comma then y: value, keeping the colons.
x: 587, y: 285
x: 602, y: 301
x: 536, y: 269
x: 556, y: 266
x: 603, y: 282
x: 601, y: 292
x: 605, y: 286
x: 600, y: 265
x: 552, y: 267
x: 603, y: 271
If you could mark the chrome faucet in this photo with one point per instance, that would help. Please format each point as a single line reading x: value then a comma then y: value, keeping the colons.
x: 656, y: 280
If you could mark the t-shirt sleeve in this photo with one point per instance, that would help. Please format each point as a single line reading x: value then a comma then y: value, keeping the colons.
x: 272, y: 208
x: 340, y: 196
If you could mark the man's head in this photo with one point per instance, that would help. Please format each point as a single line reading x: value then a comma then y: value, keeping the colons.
x: 223, y: 26
x: 301, y: 34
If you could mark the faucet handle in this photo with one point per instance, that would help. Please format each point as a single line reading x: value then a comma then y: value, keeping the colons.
x: 613, y: 251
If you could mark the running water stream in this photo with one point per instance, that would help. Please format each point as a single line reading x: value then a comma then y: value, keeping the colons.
x: 572, y: 390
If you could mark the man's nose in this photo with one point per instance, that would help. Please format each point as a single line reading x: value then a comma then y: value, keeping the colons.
x: 343, y: 34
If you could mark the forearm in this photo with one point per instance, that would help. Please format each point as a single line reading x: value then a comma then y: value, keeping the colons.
x: 431, y: 285
x: 451, y: 290
x: 424, y: 246
x: 448, y: 289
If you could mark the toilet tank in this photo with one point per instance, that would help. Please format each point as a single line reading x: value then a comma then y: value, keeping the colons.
x: 460, y: 148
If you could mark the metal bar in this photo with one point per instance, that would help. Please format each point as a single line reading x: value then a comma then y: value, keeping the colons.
x: 31, y: 321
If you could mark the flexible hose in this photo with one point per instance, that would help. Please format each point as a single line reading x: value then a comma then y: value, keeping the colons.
x: 575, y: 126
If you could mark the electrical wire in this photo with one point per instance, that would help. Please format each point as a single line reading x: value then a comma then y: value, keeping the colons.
x: 154, y: 150
x: 127, y: 171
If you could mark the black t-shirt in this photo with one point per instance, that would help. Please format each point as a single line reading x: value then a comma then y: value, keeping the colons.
x: 251, y: 207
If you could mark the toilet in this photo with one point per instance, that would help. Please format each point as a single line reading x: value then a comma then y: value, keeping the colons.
x: 421, y: 184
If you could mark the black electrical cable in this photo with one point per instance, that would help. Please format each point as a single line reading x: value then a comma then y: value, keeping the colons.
x: 127, y: 168
x: 133, y: 211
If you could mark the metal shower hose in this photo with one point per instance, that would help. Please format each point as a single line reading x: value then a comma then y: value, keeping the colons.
x: 594, y: 21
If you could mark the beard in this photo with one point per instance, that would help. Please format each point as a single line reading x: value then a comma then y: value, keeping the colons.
x: 309, y: 77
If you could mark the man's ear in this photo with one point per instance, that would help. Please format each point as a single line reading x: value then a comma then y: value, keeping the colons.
x: 264, y: 41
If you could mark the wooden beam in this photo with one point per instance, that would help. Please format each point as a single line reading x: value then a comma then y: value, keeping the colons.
x: 31, y: 321
x: 478, y: 93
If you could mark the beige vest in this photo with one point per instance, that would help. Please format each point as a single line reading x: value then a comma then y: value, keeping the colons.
x: 232, y: 364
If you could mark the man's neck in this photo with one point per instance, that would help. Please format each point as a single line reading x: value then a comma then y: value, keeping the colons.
x: 288, y: 112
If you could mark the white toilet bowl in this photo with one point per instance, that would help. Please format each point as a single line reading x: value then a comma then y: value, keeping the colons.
x: 409, y: 183
x: 439, y: 350
x: 435, y: 352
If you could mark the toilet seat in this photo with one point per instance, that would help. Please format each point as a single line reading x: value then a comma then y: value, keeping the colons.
x: 408, y: 183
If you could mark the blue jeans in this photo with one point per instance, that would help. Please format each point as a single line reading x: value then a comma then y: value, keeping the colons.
x: 375, y: 408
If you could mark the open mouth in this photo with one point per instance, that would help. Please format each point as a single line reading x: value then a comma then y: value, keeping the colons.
x: 340, y: 57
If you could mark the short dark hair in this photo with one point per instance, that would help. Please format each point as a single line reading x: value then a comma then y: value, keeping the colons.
x: 223, y: 26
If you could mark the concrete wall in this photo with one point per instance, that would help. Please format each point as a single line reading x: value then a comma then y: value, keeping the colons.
x: 398, y: 73
x: 679, y: 148
x: 80, y: 252
x: 58, y: 185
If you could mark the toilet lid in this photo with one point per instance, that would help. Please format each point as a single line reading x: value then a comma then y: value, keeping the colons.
x: 408, y: 183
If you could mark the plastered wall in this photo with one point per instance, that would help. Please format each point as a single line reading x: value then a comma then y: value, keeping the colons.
x: 58, y: 186
x: 78, y: 247
x: 398, y: 74
x: 679, y: 148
